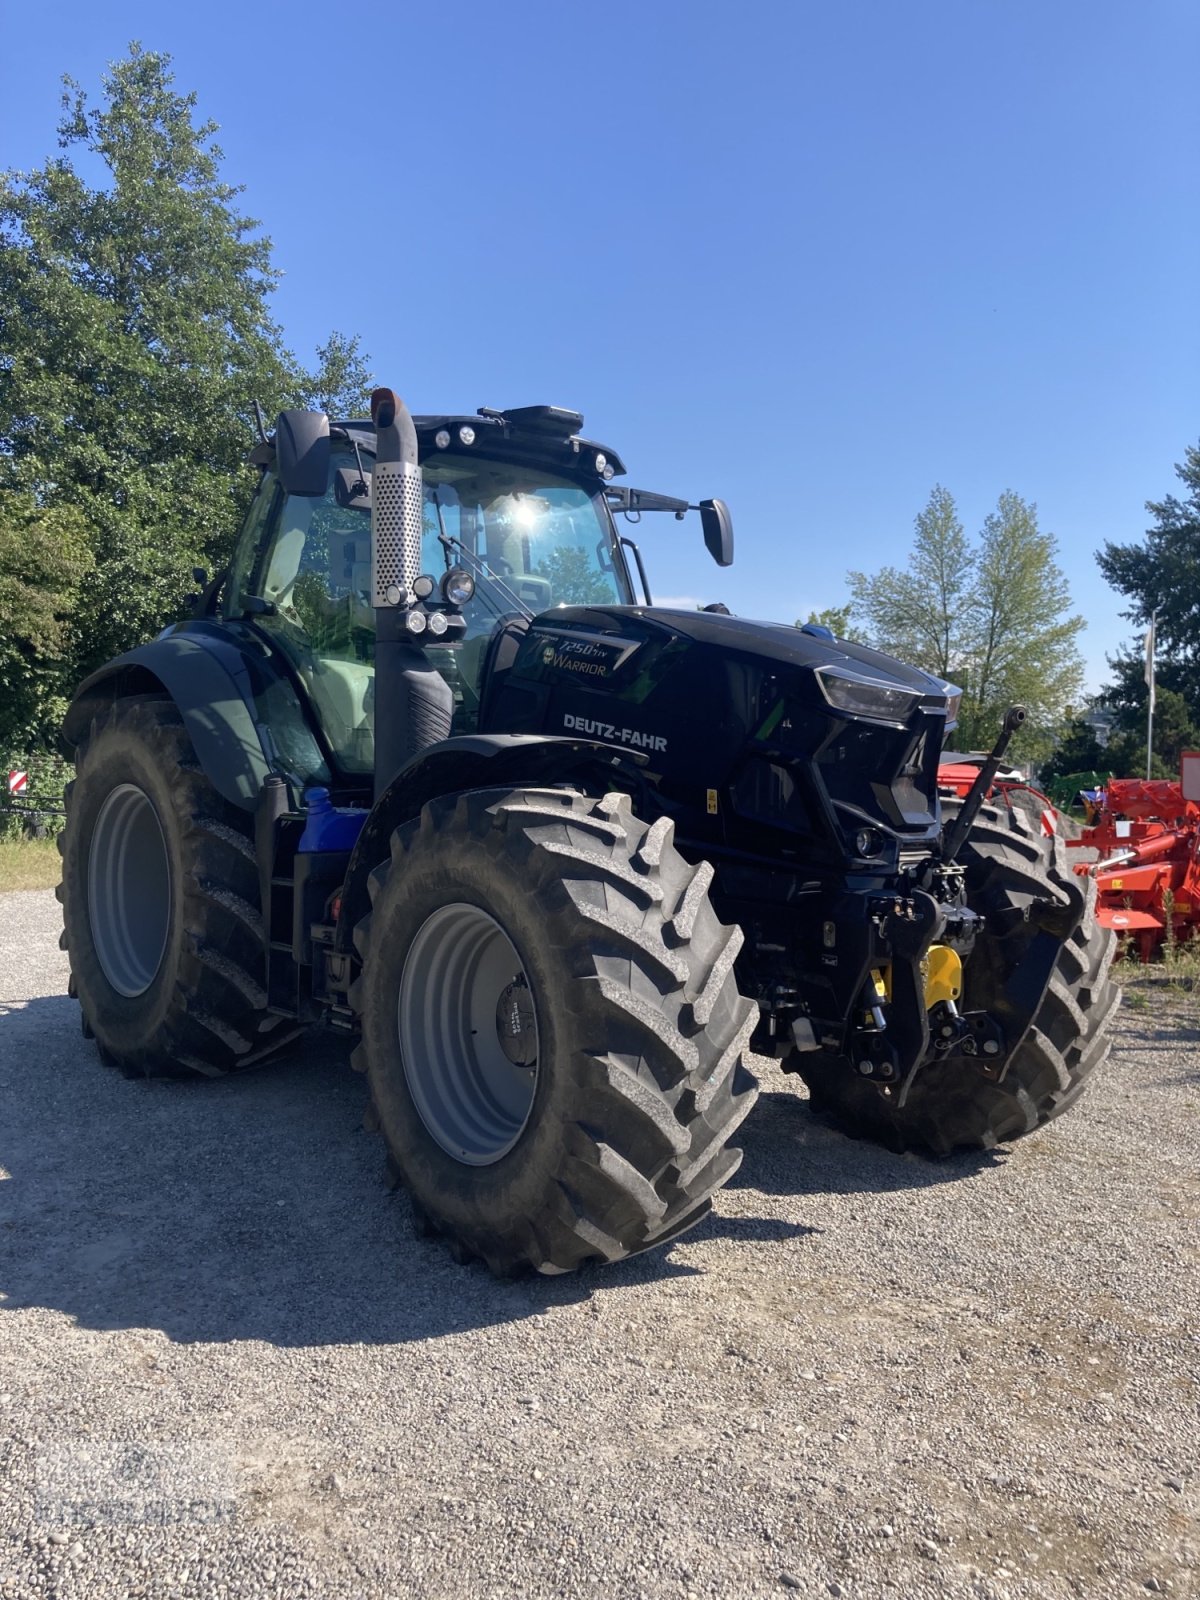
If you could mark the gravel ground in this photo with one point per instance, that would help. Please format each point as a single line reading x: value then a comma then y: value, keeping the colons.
x: 227, y: 1367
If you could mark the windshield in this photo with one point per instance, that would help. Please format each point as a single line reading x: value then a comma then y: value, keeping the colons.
x: 540, y: 538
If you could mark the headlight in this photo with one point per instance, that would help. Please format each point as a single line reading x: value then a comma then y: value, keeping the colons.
x: 953, y: 706
x: 867, y: 842
x: 865, y: 699
x: 438, y: 623
x: 458, y: 586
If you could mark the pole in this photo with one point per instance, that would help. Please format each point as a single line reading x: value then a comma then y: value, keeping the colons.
x: 1150, y: 686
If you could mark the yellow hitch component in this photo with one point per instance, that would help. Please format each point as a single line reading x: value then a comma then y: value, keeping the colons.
x: 943, y: 975
x: 881, y: 977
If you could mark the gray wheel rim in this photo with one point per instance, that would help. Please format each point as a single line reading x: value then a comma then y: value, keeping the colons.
x: 129, y: 890
x: 467, y: 1026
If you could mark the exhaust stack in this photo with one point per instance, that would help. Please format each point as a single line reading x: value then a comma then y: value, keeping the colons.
x: 414, y: 705
x: 396, y: 502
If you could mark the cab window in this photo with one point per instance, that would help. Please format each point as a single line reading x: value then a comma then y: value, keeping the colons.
x: 531, y: 539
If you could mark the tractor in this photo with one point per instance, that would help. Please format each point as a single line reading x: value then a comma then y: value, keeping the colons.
x: 423, y: 765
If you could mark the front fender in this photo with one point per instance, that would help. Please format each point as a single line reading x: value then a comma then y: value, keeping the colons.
x: 476, y: 761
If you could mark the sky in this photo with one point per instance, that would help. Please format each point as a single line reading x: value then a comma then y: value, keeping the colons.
x: 812, y: 258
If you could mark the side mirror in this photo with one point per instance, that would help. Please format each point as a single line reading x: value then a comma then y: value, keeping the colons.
x: 718, y: 531
x: 302, y: 451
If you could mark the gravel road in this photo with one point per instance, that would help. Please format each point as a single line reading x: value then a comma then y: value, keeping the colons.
x: 227, y: 1367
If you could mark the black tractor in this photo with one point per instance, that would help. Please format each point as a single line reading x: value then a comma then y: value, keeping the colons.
x: 422, y: 766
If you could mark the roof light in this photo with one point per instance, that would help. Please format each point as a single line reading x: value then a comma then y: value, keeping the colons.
x: 601, y: 462
x: 466, y: 435
x: 442, y: 438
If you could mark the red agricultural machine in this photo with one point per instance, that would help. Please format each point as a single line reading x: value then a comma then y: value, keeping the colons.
x: 957, y: 773
x: 1147, y: 877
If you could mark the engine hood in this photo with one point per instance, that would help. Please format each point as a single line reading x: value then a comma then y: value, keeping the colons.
x: 765, y: 641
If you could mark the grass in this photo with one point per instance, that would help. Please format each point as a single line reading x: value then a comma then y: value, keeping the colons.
x: 28, y: 864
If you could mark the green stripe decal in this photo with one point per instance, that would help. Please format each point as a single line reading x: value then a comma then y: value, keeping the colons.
x: 771, y: 721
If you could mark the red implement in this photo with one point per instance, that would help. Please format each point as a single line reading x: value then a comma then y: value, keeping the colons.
x: 1147, y: 833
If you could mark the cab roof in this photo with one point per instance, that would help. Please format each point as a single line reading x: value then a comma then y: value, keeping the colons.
x: 546, y: 435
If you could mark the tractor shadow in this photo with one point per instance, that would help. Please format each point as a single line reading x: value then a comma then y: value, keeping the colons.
x: 254, y: 1208
x: 791, y: 1151
x: 251, y: 1208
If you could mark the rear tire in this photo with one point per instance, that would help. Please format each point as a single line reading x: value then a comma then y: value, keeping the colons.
x: 608, y: 1131
x: 160, y: 904
x: 951, y: 1105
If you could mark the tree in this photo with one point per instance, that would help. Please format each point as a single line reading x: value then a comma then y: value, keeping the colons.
x: 922, y: 613
x: 1024, y: 640
x: 44, y: 553
x: 136, y: 331
x: 1078, y: 750
x: 993, y: 618
x: 1162, y: 572
x: 342, y: 383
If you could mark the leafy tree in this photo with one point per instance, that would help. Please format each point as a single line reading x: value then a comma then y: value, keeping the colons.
x: 993, y: 617
x: 136, y: 336
x: 342, y: 383
x: 44, y: 554
x: 1162, y: 572
x: 922, y: 613
x: 1174, y: 732
x: 1078, y: 750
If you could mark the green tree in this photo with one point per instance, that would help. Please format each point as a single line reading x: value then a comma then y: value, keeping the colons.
x: 1174, y: 732
x: 993, y: 617
x: 44, y: 554
x: 922, y: 612
x: 1024, y: 639
x: 342, y: 383
x: 135, y: 326
x: 1160, y: 572
x: 1078, y: 750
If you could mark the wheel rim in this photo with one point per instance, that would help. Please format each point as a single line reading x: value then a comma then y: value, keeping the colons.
x: 129, y: 890
x: 468, y: 1033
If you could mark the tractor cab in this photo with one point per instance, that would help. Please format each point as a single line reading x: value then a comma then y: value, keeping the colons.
x: 523, y: 511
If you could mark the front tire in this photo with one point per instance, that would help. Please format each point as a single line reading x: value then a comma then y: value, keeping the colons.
x: 582, y: 1111
x: 951, y: 1105
x: 160, y: 904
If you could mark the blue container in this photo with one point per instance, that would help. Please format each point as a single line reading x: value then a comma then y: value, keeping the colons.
x: 329, y: 827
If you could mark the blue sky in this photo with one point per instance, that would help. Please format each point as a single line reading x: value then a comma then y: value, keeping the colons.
x: 812, y: 258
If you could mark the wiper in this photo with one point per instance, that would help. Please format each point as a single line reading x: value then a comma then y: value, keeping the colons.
x: 449, y: 542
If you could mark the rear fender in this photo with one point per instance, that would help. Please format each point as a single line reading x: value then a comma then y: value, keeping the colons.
x: 210, y: 684
x: 477, y: 761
